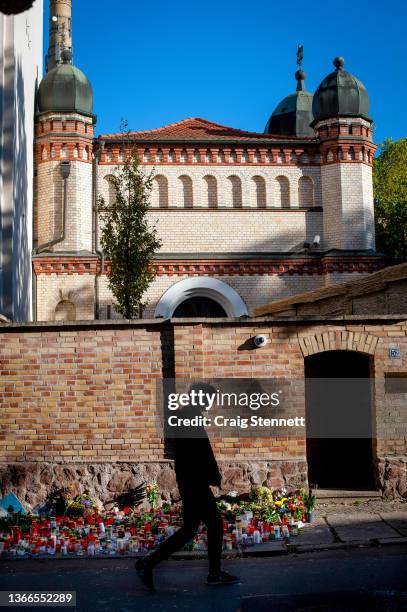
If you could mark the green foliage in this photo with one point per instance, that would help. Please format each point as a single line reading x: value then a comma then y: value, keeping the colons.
x: 152, y: 492
x: 390, y: 193
x: 16, y: 519
x: 79, y: 504
x: 127, y: 238
x: 262, y: 495
x: 309, y: 501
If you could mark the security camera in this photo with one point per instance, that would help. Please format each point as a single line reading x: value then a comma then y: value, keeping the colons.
x: 260, y: 341
x: 317, y: 240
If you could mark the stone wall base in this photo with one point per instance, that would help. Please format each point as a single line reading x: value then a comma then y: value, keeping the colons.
x: 392, y: 476
x: 32, y: 482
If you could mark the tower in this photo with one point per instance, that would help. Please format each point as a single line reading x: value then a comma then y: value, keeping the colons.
x: 342, y: 124
x: 64, y: 130
x: 60, y: 32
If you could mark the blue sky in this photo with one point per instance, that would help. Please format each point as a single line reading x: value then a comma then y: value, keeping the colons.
x: 232, y: 61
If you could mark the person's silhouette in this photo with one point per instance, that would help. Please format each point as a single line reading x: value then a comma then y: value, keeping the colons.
x: 196, y: 470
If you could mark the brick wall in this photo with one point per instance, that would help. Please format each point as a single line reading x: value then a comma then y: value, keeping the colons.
x: 86, y: 393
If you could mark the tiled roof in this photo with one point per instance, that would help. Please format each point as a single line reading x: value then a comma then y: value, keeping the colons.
x: 199, y: 130
x: 372, y: 283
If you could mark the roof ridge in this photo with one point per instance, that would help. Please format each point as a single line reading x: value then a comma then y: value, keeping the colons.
x: 158, y: 129
x: 194, y: 120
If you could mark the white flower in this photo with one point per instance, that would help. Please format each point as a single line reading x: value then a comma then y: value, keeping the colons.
x: 233, y: 494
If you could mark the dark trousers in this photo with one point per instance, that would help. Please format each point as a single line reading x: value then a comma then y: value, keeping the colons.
x: 198, y: 505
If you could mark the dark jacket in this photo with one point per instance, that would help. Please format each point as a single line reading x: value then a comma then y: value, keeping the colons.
x: 195, y: 463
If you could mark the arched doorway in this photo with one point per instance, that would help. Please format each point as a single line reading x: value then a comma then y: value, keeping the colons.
x: 200, y: 294
x: 199, y: 307
x: 338, y: 399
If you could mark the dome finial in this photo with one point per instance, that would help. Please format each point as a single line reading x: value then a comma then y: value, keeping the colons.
x: 339, y: 62
x: 300, y: 75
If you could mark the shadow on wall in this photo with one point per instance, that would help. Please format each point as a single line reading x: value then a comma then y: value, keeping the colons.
x: 16, y: 207
x: 22, y: 209
x: 74, y: 304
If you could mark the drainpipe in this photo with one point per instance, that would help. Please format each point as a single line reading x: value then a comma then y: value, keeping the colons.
x: 95, y: 221
x: 65, y: 169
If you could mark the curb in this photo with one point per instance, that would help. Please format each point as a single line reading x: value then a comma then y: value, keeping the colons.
x: 285, y: 549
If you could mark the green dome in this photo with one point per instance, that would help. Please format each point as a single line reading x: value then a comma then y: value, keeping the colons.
x: 340, y: 94
x: 65, y: 88
x: 293, y: 115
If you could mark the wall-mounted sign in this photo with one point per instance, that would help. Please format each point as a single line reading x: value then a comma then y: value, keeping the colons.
x: 394, y: 352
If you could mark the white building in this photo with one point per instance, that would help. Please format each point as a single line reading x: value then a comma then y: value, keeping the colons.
x: 21, y: 51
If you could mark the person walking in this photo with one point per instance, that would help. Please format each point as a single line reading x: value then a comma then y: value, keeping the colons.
x: 196, y: 471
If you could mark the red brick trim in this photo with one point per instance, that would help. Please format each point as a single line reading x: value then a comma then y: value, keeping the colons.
x: 198, y: 155
x: 215, y: 267
x: 66, y: 265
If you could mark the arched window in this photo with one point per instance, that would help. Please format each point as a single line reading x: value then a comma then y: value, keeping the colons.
x: 282, y: 192
x: 159, y: 192
x: 305, y: 191
x: 235, y: 191
x: 187, y: 196
x: 111, y: 193
x: 352, y: 156
x: 259, y: 189
x: 65, y: 311
x: 329, y: 156
x: 211, y: 191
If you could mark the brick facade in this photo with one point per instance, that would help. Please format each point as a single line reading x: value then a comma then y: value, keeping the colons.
x: 221, y: 197
x: 85, y: 394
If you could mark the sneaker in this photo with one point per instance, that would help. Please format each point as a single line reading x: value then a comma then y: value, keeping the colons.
x: 221, y: 578
x: 145, y: 574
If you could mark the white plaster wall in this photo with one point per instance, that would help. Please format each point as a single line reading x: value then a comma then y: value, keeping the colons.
x: 20, y: 72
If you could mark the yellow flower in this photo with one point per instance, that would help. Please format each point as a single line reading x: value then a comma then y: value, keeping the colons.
x: 278, y: 503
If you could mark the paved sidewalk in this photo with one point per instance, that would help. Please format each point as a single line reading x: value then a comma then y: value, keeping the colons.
x: 336, y: 526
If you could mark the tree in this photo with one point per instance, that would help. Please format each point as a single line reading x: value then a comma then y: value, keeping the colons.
x: 390, y: 193
x: 128, y: 239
